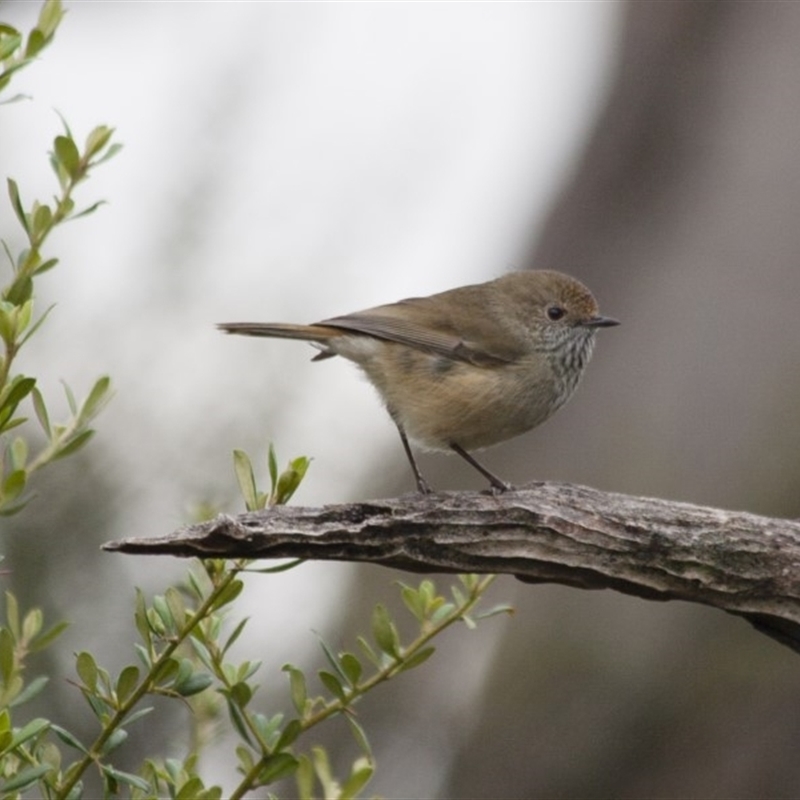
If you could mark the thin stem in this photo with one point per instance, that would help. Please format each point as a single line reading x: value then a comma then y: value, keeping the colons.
x: 35, y: 240
x: 384, y: 674
x: 145, y: 686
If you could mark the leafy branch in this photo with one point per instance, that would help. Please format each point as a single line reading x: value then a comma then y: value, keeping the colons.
x: 17, y: 51
x: 184, y: 654
x: 18, y: 324
x: 185, y: 639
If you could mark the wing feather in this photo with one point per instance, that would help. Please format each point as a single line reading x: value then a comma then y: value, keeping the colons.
x: 415, y: 323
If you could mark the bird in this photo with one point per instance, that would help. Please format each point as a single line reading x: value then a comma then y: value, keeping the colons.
x: 467, y: 368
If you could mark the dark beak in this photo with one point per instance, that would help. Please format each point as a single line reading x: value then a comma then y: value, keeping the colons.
x: 600, y: 322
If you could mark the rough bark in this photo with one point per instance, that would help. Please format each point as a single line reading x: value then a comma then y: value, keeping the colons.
x: 655, y: 549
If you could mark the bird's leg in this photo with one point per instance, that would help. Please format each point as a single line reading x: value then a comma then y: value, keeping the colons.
x: 497, y: 484
x: 422, y: 484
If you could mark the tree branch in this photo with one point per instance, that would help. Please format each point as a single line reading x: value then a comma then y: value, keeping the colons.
x: 546, y: 532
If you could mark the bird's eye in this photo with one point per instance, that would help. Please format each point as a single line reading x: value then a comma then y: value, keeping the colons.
x: 555, y: 313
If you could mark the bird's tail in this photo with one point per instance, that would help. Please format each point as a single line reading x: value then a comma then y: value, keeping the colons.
x: 318, y: 335
x: 281, y: 330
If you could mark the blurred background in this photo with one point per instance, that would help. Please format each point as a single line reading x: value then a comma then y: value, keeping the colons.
x: 292, y: 161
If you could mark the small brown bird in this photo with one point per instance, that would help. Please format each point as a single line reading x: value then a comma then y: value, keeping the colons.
x: 467, y: 368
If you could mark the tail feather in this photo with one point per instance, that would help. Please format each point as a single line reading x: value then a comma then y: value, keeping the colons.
x: 281, y: 330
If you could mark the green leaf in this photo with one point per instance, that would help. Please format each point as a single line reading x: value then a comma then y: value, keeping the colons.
x: 41, y: 411
x: 194, y: 585
x: 185, y: 669
x: 305, y: 778
x: 194, y: 684
x: 99, y: 706
x: 137, y: 714
x: 240, y: 723
x: 240, y: 693
x: 177, y: 608
x: 245, y: 757
x: 360, y: 776
x: 162, y: 609
x: 33, y: 728
x: 97, y: 140
x: 118, y: 737
x: 66, y: 207
x: 14, y: 484
x: 228, y: 594
x: 333, y: 685
x: 441, y: 613
x: 12, y: 615
x: 42, y: 640
x: 166, y: 671
x: 267, y: 728
x: 14, y: 423
x: 418, y: 658
x: 32, y: 624
x: 193, y: 789
x: 44, y: 267
x: 384, y: 632
x: 144, y: 655
x: 246, y: 479
x: 296, y: 562
x: 140, y: 618
x: 23, y: 779
x: 36, y: 41
x: 292, y: 730
x: 297, y: 688
x: 277, y: 766
x: 332, y: 660
x: 10, y: 40
x: 73, y: 406
x: 19, y: 388
x: 49, y: 18
x: 16, y: 203
x: 126, y: 683
x: 360, y: 736
x: 502, y: 608
x: 234, y: 636
x: 42, y: 221
x: 322, y: 767
x: 190, y: 790
x: 470, y: 581
x: 458, y: 595
x: 98, y: 397
x: 74, y: 444
x: 87, y: 670
x: 126, y: 778
x: 68, y: 738
x: 414, y: 601
x: 174, y: 769
x: 32, y: 688
x: 8, y: 511
x: 66, y: 152
x: 5, y: 76
x: 18, y: 452
x: 247, y: 669
x: 272, y: 463
x: 110, y: 153
x: 352, y: 668
x: 202, y: 653
x: 290, y: 480
x: 371, y: 655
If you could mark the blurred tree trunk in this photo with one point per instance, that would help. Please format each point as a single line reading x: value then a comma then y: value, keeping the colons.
x: 682, y: 216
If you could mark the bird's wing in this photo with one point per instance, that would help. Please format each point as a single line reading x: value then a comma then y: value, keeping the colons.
x: 419, y: 324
